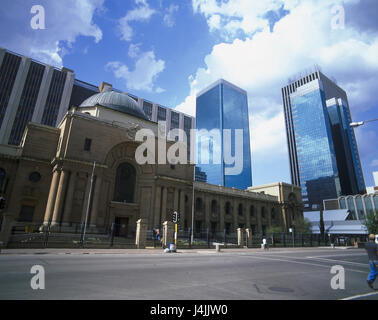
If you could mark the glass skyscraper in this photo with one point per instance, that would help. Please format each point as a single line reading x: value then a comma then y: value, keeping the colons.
x: 222, y: 112
x: 323, y: 153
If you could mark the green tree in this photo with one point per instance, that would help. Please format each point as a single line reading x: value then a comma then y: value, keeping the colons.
x: 277, y: 229
x: 302, y: 225
x: 371, y: 222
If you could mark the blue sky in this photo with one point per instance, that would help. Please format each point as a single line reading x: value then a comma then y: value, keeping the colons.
x: 167, y: 50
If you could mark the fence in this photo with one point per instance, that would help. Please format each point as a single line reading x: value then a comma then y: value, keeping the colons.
x: 73, y: 236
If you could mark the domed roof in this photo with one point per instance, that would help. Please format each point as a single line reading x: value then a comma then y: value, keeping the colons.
x: 116, y: 101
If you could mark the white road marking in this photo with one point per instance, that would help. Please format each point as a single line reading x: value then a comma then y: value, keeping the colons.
x: 341, y: 261
x: 301, y: 262
x: 361, y: 296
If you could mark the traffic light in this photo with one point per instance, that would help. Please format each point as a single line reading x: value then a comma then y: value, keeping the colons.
x: 2, y: 203
x: 175, y: 217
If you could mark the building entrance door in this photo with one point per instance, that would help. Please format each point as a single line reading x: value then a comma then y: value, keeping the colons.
x: 121, y: 227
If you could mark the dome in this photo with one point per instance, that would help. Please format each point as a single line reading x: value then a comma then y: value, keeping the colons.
x: 116, y: 101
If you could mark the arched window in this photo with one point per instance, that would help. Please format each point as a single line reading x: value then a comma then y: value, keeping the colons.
x: 213, y: 206
x: 252, y: 211
x: 240, y: 209
x: 125, y: 183
x: 2, y: 180
x: 228, y: 208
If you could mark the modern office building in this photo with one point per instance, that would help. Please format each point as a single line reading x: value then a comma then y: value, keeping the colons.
x: 223, y: 106
x: 323, y: 152
x: 31, y: 91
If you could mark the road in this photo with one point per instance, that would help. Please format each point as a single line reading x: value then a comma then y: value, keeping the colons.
x: 285, y: 274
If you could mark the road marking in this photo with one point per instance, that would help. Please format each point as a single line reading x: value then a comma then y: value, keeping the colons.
x: 361, y: 296
x: 300, y: 262
x: 341, y: 261
x: 341, y: 255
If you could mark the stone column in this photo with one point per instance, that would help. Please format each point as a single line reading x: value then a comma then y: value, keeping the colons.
x: 96, y: 198
x: 249, y: 237
x: 240, y: 237
x: 59, y: 198
x: 67, y: 215
x: 156, y: 220
x: 259, y: 219
x: 164, y: 205
x: 207, y: 211
x: 52, y: 197
x: 221, y: 214
x: 176, y: 200
x: 182, y: 207
x: 141, y: 234
x: 235, y: 214
x: 168, y: 233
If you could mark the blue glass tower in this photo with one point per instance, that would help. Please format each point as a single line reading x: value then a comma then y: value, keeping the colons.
x: 223, y: 107
x: 323, y: 152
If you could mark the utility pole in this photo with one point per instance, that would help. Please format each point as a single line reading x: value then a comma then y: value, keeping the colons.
x: 88, y: 205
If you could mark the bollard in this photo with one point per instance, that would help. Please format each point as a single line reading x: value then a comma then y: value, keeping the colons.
x: 217, y: 247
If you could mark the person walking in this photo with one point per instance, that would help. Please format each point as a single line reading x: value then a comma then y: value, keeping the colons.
x: 372, y: 250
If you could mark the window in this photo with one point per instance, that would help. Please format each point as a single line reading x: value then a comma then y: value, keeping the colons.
x: 26, y: 214
x: 214, y: 206
x: 240, y: 209
x: 199, y: 204
x: 125, y: 183
x: 87, y: 144
x: 2, y: 179
x: 263, y: 212
x: 228, y: 208
x: 252, y: 211
x: 273, y: 214
x: 35, y: 177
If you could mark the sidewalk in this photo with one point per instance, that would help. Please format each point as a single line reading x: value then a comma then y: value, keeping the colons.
x: 150, y: 251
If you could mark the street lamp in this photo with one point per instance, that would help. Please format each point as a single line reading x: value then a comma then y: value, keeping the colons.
x: 361, y: 123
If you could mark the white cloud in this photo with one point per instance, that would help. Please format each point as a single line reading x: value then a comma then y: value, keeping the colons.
x: 169, y: 19
x: 146, y: 70
x: 262, y: 63
x: 374, y: 163
x: 65, y: 20
x: 142, y: 13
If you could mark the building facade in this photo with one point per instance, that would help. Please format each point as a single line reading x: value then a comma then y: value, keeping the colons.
x: 221, y: 107
x: 46, y: 180
x: 31, y: 91
x: 323, y: 152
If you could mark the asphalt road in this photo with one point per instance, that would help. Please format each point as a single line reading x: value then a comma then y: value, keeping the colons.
x: 230, y: 275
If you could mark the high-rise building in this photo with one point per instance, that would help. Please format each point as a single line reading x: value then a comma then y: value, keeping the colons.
x: 223, y: 106
x: 31, y: 91
x: 324, y: 158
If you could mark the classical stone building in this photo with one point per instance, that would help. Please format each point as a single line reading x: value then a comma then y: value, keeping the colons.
x: 47, y: 179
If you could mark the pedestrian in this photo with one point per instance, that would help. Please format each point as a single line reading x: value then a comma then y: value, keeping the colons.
x: 372, y: 250
x: 265, y: 245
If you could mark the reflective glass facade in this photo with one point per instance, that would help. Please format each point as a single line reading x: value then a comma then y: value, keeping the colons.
x: 315, y: 150
x: 223, y: 106
x: 323, y: 152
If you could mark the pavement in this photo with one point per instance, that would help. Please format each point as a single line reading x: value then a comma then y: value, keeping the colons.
x: 198, y: 274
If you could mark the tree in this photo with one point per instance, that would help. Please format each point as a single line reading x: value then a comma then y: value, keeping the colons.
x: 302, y: 225
x: 371, y: 222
